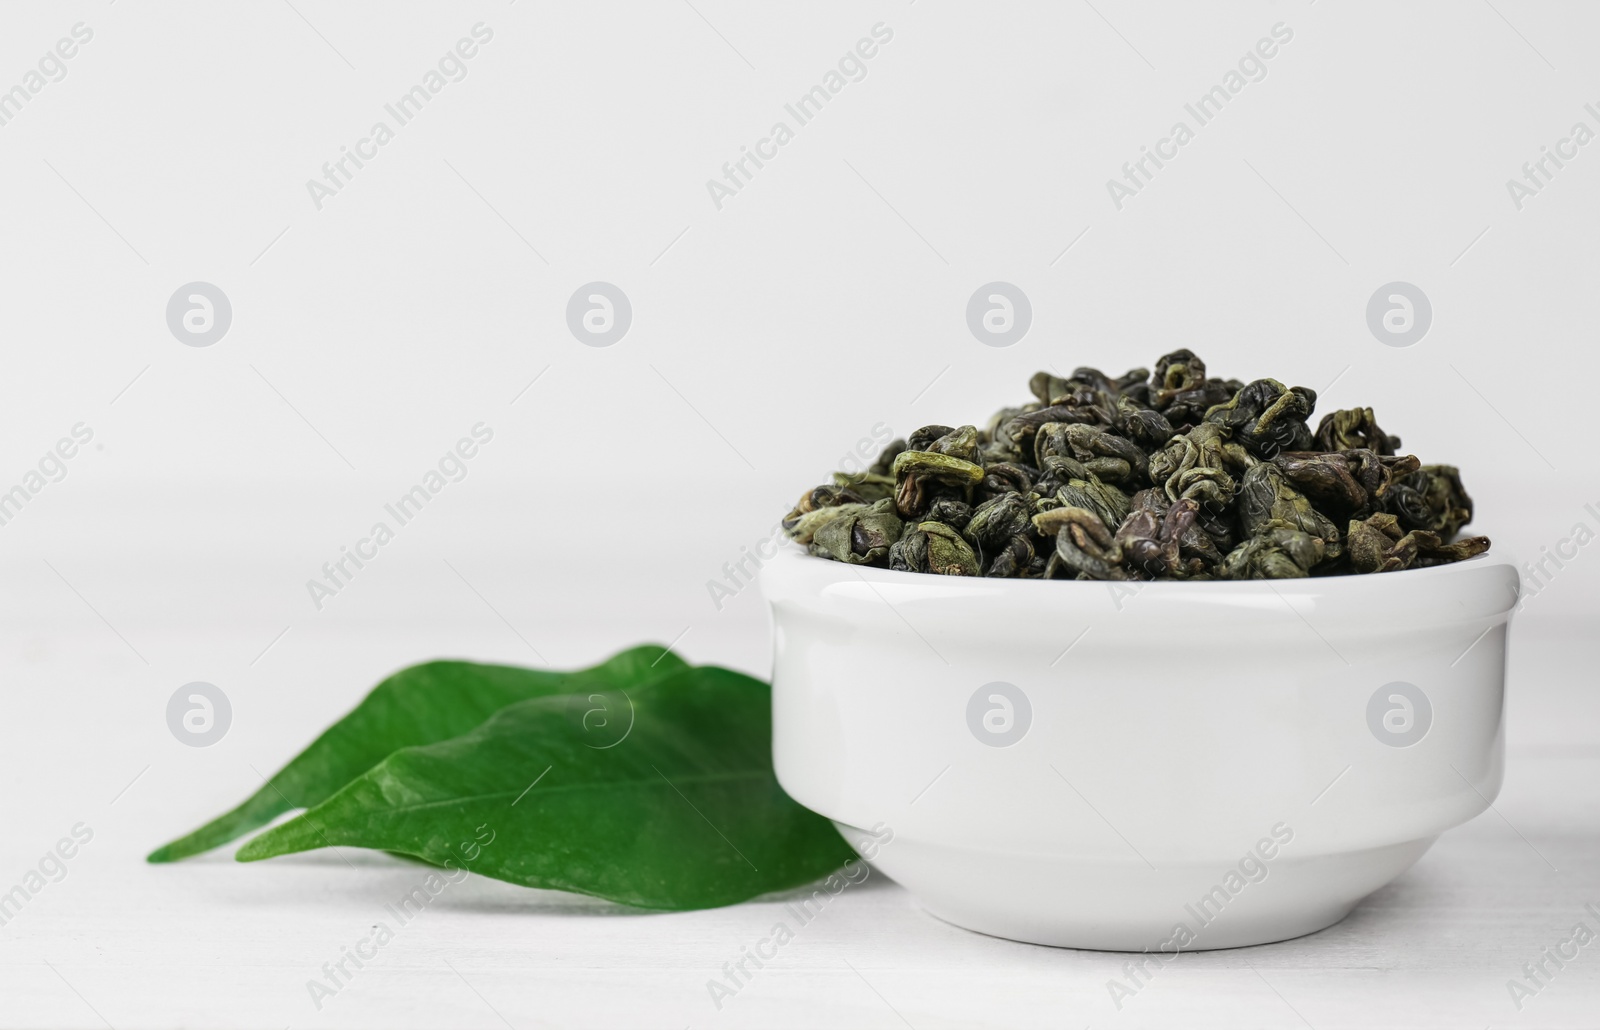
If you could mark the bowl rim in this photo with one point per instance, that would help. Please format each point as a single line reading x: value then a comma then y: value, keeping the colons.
x: 793, y: 552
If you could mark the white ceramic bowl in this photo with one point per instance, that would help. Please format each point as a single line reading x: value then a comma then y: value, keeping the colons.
x: 1156, y: 766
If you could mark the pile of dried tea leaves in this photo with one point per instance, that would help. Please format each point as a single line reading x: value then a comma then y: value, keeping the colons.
x: 1170, y: 475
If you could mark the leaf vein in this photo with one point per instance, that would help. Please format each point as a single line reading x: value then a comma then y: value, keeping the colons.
x: 756, y: 774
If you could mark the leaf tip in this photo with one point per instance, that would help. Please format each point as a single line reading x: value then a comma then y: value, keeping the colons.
x: 177, y: 850
x: 280, y: 840
x: 255, y: 850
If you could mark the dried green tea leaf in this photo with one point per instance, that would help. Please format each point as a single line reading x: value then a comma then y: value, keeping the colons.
x: 1266, y: 500
x: 1431, y: 498
x: 1268, y: 417
x: 948, y: 553
x: 1193, y: 465
x: 1354, y: 429
x: 860, y: 537
x: 1280, y: 552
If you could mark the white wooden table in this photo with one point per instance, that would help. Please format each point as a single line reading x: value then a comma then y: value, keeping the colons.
x: 214, y: 943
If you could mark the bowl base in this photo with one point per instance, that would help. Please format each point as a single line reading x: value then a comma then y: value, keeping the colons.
x: 1125, y: 905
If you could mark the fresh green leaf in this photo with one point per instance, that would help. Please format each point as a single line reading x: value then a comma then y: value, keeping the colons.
x: 417, y: 705
x: 684, y: 812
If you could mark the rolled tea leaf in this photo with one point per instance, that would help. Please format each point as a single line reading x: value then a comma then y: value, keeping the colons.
x: 958, y: 443
x: 1372, y: 544
x: 996, y: 521
x: 1268, y: 417
x: 932, y: 465
x: 1281, y: 552
x: 1378, y: 545
x: 1105, y: 500
x: 818, y: 499
x: 948, y: 553
x: 860, y: 537
x: 910, y: 552
x: 1193, y: 465
x: 1166, y: 541
x: 922, y: 477
x: 1327, y: 479
x: 1353, y: 429
x: 953, y: 513
x: 1084, y: 542
x: 1266, y: 500
x: 870, y: 486
x: 1430, y: 498
x: 805, y: 528
x: 1014, y: 558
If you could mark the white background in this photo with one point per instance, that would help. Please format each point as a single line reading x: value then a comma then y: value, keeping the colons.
x: 768, y: 337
